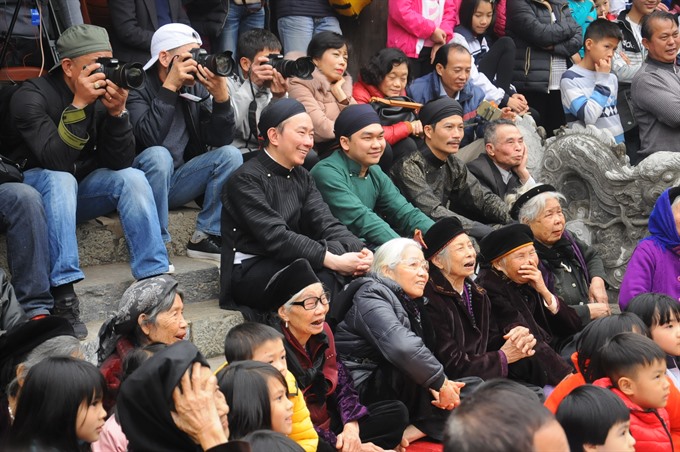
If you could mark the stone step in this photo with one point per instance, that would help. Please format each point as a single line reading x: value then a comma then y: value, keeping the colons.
x: 101, y: 241
x: 208, y: 325
x: 103, y: 286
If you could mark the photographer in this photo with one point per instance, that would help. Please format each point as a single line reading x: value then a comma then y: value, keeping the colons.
x: 183, y: 123
x: 257, y: 81
x: 75, y: 134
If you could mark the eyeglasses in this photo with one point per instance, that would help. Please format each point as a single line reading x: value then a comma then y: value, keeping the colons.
x: 309, y: 304
x: 416, y: 264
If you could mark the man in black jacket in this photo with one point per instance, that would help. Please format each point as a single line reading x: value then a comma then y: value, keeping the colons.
x: 76, y: 137
x: 183, y: 123
x: 503, y: 167
x: 273, y: 214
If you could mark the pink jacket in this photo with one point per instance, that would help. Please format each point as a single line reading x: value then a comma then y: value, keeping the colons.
x: 406, y: 24
x: 321, y: 105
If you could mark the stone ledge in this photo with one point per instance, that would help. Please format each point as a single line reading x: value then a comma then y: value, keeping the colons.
x: 101, y: 241
x: 208, y: 325
x: 104, y: 285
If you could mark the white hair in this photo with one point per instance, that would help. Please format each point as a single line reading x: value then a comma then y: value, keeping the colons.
x: 390, y: 253
x: 533, y: 207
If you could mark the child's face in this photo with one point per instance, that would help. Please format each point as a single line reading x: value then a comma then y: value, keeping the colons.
x: 481, y: 19
x: 667, y: 336
x: 90, y: 421
x: 618, y: 439
x: 602, y: 49
x: 649, y: 388
x: 602, y: 7
x: 281, y: 407
x: 272, y: 352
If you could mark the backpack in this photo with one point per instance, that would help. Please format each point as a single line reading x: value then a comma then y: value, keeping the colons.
x: 349, y: 8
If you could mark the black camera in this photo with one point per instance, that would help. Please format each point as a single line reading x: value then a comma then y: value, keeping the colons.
x: 300, y: 68
x: 219, y: 63
x: 125, y: 75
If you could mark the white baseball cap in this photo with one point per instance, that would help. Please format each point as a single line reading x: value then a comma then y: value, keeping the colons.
x: 170, y: 37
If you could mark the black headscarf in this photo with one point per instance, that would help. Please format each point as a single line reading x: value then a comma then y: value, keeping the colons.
x: 145, y: 400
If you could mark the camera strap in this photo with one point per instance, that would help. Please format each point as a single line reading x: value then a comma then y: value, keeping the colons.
x: 252, y: 114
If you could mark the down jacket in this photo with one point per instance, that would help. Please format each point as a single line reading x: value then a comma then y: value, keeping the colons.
x: 376, y: 330
x: 537, y: 38
x: 649, y: 427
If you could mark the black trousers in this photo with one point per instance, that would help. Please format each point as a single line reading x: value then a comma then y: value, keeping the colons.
x: 549, y: 107
x: 421, y: 66
x: 389, y: 383
x: 498, y: 61
x: 384, y: 426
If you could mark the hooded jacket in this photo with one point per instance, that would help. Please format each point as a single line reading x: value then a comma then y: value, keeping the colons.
x: 532, y: 29
x: 649, y: 427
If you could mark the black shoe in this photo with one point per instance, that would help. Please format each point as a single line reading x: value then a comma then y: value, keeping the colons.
x: 69, y: 309
x: 208, y: 248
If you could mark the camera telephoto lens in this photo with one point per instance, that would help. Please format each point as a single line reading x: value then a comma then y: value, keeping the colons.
x: 220, y: 63
x: 300, y: 68
x: 125, y: 75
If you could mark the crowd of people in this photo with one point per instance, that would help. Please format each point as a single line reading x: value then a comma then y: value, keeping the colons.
x: 402, y: 274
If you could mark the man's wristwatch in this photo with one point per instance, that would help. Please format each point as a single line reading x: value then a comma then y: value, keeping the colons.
x: 123, y: 114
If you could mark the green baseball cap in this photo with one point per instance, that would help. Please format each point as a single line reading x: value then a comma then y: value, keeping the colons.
x: 80, y: 40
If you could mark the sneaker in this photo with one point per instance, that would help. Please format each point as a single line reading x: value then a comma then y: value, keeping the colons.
x: 69, y: 309
x: 171, y: 269
x: 209, y: 247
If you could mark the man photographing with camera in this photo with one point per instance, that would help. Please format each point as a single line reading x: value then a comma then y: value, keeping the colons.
x: 260, y: 80
x: 74, y: 132
x: 183, y: 125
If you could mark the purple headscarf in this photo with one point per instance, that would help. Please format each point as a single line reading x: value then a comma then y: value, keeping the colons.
x: 662, y: 222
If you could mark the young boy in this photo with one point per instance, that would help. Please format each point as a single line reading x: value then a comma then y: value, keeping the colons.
x: 634, y: 368
x: 589, y: 88
x: 258, y: 342
x: 595, y: 420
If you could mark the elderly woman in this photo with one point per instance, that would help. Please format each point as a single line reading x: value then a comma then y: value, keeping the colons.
x: 519, y: 296
x: 654, y: 265
x: 571, y: 269
x: 172, y: 403
x: 386, y: 338
x: 341, y: 421
x: 151, y: 310
x: 462, y: 309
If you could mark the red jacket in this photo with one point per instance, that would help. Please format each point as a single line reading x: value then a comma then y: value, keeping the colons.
x: 362, y: 93
x: 650, y: 428
x: 575, y: 380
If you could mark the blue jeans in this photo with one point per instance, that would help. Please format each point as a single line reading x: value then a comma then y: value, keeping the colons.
x: 68, y: 202
x: 297, y: 31
x: 22, y: 218
x: 174, y: 187
x: 239, y: 20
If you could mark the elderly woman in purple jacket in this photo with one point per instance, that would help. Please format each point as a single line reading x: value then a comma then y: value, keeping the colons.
x: 655, y: 263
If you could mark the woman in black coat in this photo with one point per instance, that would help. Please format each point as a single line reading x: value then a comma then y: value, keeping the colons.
x: 384, y: 339
x: 519, y: 296
x: 547, y: 40
x: 461, y: 310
